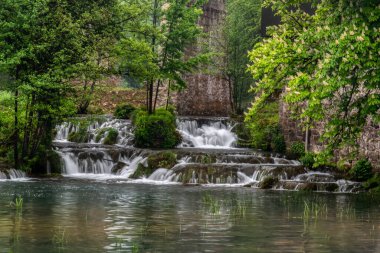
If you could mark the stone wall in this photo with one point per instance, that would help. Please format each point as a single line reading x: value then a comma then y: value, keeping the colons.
x: 206, y: 94
x: 369, y: 142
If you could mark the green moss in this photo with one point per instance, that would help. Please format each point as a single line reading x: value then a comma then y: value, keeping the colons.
x: 157, y: 130
x: 111, y: 137
x: 155, y: 161
x: 268, y: 182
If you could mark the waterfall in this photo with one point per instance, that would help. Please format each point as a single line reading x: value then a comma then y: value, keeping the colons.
x: 97, y: 131
x: 131, y: 168
x: 211, y: 134
x: 12, y: 174
x: 213, y: 160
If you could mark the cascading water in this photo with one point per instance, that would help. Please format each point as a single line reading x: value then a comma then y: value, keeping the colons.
x: 97, y: 130
x: 12, y: 174
x: 211, y: 134
x: 211, y: 162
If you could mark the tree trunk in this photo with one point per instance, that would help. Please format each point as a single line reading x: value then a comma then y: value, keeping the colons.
x: 156, y: 97
x: 16, y: 133
x: 168, y: 95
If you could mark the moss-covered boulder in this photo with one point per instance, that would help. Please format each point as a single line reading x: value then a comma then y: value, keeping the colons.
x: 268, y: 182
x: 164, y: 159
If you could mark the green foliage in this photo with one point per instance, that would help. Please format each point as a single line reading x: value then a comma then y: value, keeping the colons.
x: 326, y: 63
x: 297, y: 150
x: 241, y: 31
x: 308, y: 160
x: 155, y: 51
x: 80, y: 136
x: 362, y: 170
x: 373, y: 184
x: 265, y: 131
x: 123, y: 111
x: 156, y: 130
x: 111, y: 137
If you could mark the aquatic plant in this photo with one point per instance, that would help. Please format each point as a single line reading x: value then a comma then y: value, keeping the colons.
x: 213, y: 205
x: 59, y: 238
x: 313, y: 210
x: 17, y: 203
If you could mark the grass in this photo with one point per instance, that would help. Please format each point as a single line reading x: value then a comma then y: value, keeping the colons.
x: 17, y: 203
x: 314, y: 210
x: 59, y: 238
x: 213, y: 205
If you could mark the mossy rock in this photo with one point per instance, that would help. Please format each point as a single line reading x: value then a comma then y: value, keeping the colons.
x: 118, y: 167
x: 81, y: 136
x: 111, y: 137
x: 268, y: 182
x: 141, y: 171
x: 308, y: 187
x: 332, y: 187
x: 164, y: 159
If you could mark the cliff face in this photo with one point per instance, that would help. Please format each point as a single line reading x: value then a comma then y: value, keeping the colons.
x: 207, y: 94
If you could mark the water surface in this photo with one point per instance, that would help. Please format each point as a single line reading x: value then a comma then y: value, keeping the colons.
x: 79, y: 215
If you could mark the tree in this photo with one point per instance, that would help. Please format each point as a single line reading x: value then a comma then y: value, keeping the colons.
x: 154, y: 51
x: 241, y: 32
x: 39, y: 52
x: 327, y: 63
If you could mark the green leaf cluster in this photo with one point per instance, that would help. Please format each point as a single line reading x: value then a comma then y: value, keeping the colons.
x: 156, y: 130
x: 326, y: 64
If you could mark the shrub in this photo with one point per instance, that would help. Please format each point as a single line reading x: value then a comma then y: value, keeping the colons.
x: 124, y: 111
x: 362, y: 170
x: 278, y: 143
x: 111, y: 137
x: 372, y: 183
x: 157, y: 130
x: 308, y: 160
x: 265, y: 131
x: 297, y: 150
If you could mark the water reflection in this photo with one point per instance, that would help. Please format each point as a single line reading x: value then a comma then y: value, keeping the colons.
x: 84, y: 216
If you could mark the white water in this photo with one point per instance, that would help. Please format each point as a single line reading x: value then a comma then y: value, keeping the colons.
x: 14, y: 175
x: 213, y: 135
x: 123, y: 127
x: 229, y: 168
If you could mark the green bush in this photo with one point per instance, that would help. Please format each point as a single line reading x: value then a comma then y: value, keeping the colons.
x: 297, y: 150
x: 111, y: 137
x: 157, y: 130
x: 124, y: 111
x: 372, y: 183
x: 265, y: 131
x: 362, y: 170
x: 308, y: 160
